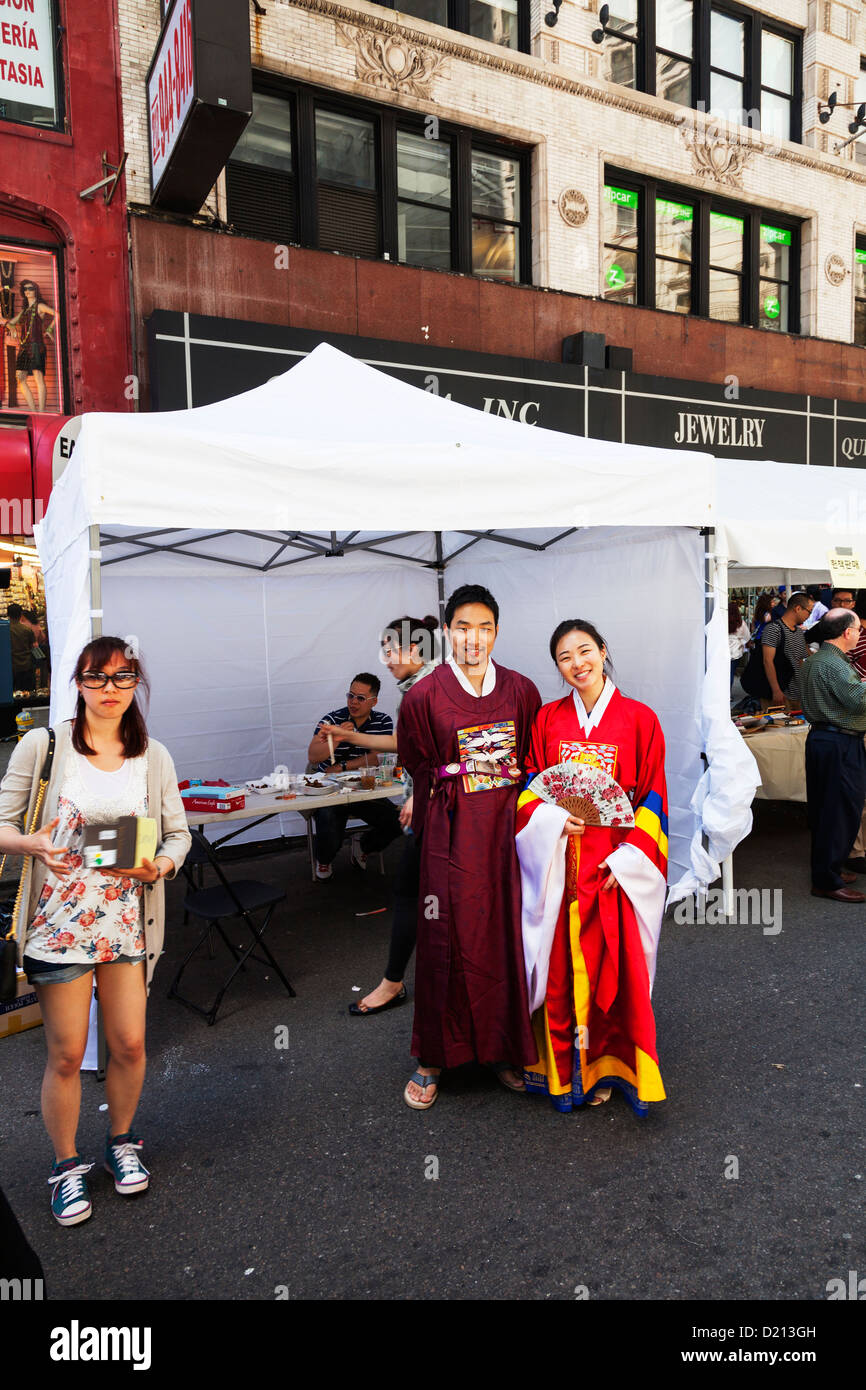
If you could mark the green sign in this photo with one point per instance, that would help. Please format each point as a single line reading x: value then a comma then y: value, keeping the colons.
x: 721, y: 221
x: 681, y: 212
x: 778, y: 234
x: 772, y: 307
x: 623, y: 196
x: 860, y: 257
x: 615, y: 277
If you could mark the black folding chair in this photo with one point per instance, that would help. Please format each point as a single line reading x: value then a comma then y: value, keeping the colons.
x: 227, y: 901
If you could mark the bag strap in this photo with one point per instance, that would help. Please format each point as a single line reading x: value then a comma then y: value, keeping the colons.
x: 44, y: 778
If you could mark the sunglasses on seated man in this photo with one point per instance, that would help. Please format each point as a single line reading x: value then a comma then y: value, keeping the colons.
x: 98, y: 680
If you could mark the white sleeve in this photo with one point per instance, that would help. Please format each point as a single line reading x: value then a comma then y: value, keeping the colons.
x: 541, y: 852
x: 645, y: 889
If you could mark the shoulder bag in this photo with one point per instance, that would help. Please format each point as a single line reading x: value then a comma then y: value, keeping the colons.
x: 9, y: 911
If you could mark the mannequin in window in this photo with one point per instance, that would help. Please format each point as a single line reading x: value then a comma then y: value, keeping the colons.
x: 35, y: 325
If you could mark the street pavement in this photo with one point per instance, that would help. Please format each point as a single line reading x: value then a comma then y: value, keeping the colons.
x: 286, y: 1165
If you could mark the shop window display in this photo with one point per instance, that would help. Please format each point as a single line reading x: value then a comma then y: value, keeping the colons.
x: 30, y: 363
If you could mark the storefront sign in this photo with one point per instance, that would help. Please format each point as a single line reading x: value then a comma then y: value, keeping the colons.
x: 199, y: 98
x: 170, y: 87
x: 196, y: 360
x: 28, y: 37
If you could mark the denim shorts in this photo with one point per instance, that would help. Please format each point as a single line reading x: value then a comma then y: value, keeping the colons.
x: 49, y: 972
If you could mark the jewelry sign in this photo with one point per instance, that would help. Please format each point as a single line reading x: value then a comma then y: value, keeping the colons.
x: 199, y: 98
x: 27, y: 83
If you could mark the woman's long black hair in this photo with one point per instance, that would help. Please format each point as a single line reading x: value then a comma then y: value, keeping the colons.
x: 133, y: 730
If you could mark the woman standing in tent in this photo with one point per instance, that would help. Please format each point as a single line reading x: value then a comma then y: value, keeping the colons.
x: 593, y: 895
x: 76, y: 920
x: 409, y: 652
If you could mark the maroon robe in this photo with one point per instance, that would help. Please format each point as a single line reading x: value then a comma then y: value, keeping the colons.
x: 470, y: 984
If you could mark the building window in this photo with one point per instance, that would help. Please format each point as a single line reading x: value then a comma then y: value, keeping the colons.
x: 694, y: 253
x: 860, y: 292
x: 860, y: 96
x: 30, y: 67
x: 721, y: 58
x: 366, y: 180
x: 31, y: 370
x: 504, y: 22
x: 260, y: 173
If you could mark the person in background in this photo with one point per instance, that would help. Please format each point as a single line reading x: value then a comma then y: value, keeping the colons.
x: 738, y: 637
x: 843, y: 598
x: 382, y: 817
x: 763, y: 609
x: 21, y: 638
x: 857, y: 862
x: 409, y: 652
x: 815, y: 591
x: 30, y: 618
x: 785, y: 635
x: 834, y: 702
x: 779, y: 604
x: 77, y: 921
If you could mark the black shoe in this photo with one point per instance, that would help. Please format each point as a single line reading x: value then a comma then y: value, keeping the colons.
x: 394, y: 1003
x: 857, y: 866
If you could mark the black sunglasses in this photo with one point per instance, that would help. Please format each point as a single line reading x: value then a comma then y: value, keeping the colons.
x: 98, y: 680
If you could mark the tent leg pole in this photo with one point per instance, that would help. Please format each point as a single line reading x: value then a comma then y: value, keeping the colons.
x: 440, y: 576
x: 96, y: 631
x: 728, y: 887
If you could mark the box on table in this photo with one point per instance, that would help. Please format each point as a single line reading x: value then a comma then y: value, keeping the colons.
x: 221, y: 797
x: 22, y: 1012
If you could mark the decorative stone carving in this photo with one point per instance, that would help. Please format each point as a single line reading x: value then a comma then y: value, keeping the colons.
x: 835, y: 268
x: 714, y: 157
x: 573, y: 207
x: 392, y: 62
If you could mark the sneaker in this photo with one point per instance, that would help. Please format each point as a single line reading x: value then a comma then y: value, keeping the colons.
x: 323, y: 871
x: 358, y: 855
x: 122, y: 1161
x: 70, y: 1200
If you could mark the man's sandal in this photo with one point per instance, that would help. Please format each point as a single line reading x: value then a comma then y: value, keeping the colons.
x: 500, y: 1068
x: 423, y: 1081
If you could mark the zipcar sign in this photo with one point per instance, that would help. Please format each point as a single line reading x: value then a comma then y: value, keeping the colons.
x: 170, y: 88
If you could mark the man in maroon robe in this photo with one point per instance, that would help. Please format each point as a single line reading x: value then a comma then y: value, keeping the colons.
x: 463, y: 734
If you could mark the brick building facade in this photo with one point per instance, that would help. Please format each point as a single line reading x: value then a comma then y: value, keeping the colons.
x: 548, y: 198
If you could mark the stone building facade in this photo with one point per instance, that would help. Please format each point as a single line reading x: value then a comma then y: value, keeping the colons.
x: 678, y: 228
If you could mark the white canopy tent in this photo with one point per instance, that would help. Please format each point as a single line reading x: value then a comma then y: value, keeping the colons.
x: 781, y: 519
x: 257, y: 547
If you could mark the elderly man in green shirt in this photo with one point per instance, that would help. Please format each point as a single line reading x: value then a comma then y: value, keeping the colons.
x: 834, y: 702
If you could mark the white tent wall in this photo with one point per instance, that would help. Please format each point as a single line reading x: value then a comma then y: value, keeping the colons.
x: 242, y: 665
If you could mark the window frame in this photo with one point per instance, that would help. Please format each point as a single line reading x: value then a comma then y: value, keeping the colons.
x: 304, y: 101
x: 756, y: 24
x: 61, y: 124
x: 458, y: 21
x: 859, y: 245
x: 704, y: 202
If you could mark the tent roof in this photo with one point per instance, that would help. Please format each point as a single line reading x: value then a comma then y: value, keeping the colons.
x: 777, y: 516
x: 333, y: 443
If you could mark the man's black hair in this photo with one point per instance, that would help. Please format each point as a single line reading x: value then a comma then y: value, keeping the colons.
x: 471, y: 593
x: 13, y: 612
x: 366, y: 678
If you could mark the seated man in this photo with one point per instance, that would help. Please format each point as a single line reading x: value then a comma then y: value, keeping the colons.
x: 382, y: 817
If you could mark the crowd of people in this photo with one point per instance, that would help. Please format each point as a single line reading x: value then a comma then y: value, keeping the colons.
x: 809, y: 655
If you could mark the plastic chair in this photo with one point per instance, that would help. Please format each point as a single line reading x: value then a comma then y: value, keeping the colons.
x: 226, y: 901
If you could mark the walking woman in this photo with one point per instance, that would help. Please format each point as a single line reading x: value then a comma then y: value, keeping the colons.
x: 408, y: 650
x: 74, y: 920
x: 593, y: 895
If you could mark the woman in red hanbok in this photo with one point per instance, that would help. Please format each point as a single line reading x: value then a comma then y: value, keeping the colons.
x: 593, y: 896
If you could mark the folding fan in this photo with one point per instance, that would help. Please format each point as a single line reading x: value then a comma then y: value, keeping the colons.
x: 585, y: 791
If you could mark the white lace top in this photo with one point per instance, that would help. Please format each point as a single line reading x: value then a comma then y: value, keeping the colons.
x: 88, y: 916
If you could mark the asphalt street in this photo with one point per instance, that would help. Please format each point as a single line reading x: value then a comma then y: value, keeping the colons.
x: 285, y: 1163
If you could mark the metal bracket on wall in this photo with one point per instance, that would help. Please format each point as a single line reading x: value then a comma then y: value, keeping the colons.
x: 110, y: 180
